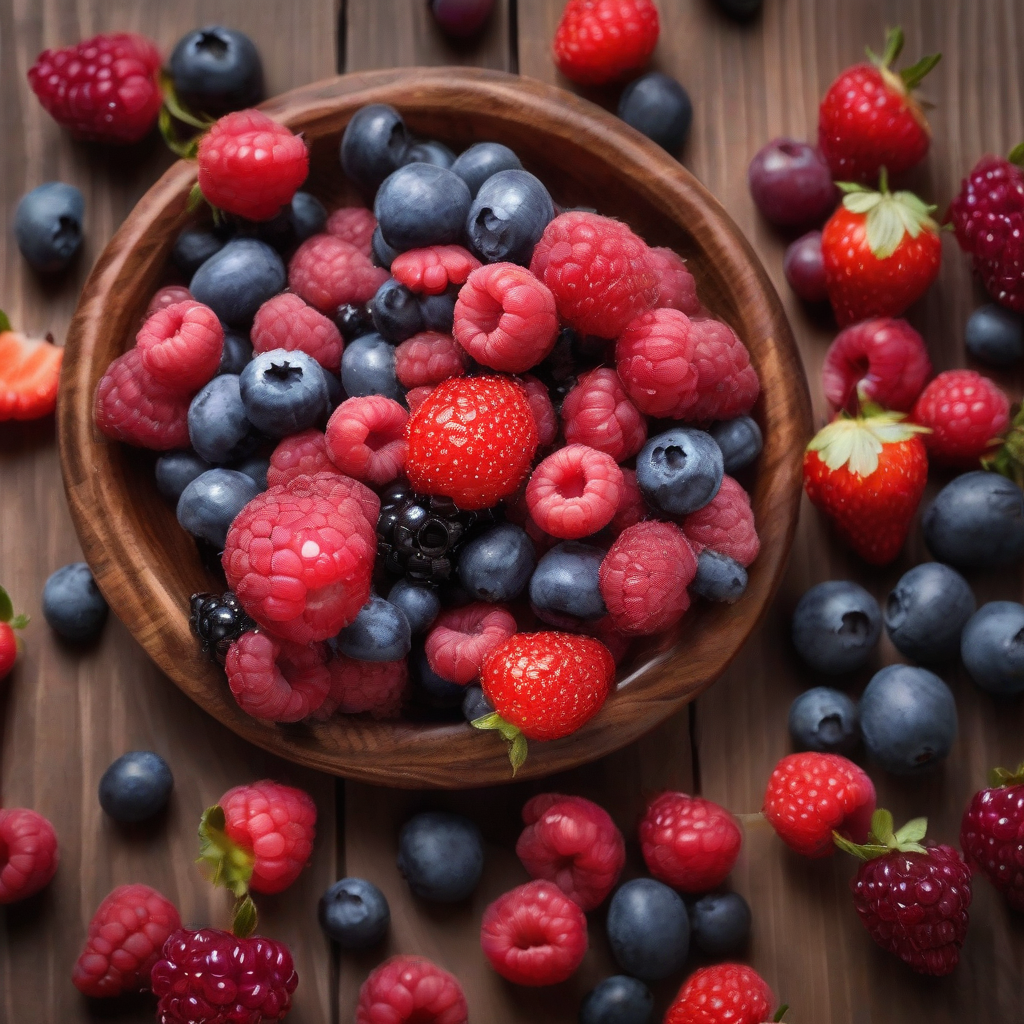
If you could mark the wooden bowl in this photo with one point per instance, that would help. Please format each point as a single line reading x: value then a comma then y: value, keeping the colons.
x: 147, y: 566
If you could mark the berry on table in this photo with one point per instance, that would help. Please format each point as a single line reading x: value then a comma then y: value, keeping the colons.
x: 48, y: 225
x: 825, y: 720
x: 441, y: 856
x: 992, y: 834
x: 380, y: 632
x: 567, y: 582
x: 411, y: 990
x: 377, y: 688
x: 354, y: 913
x: 600, y: 41
x: 373, y: 145
x: 496, y: 565
x: 926, y: 612
x: 237, y: 279
x: 216, y: 70
x: 680, y: 471
x: 722, y: 994
x: 992, y: 647
x: 136, y: 786
x: 791, y: 184
x: 995, y: 335
x: 836, y: 626
x: 420, y: 205
x: 720, y: 923
x: 966, y: 414
x: 461, y: 639
x: 461, y: 18
x: 274, y: 680
x: 29, y: 373
x: 328, y: 272
x: 648, y: 929
x: 574, y: 492
x: 677, y: 288
x: 10, y: 645
x: 366, y: 438
x: 617, y: 1000
x: 725, y: 524
x: 30, y: 854
x: 285, y: 321
x: 73, y: 605
x: 804, y: 267
x: 657, y: 106
x: 598, y: 413
x: 508, y: 215
x: 181, y: 346
x: 209, y: 504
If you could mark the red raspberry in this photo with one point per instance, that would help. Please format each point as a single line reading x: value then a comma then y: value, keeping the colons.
x: 727, y: 385
x: 337, y: 487
x: 810, y: 795
x: 505, y: 318
x: 105, y: 89
x: 28, y: 853
x: 573, y: 843
x: 132, y: 407
x: 725, y: 524
x: 166, y: 296
x: 722, y: 994
x: 632, y: 507
x: 534, y: 935
x: 250, y: 165
x: 213, y: 977
x: 966, y: 412
x: 126, y: 935
x: 411, y: 990
x: 601, y: 274
x: 285, y: 321
x: 430, y: 271
x: 302, y: 454
x: 472, y: 440
x: 598, y: 412
x: 428, y: 358
x: 882, y: 361
x: 599, y: 41
x: 688, y: 842
x: 644, y: 578
x: 274, y: 680
x: 416, y: 397
x: 544, y: 414
x: 462, y: 637
x: 992, y: 834
x: 329, y: 273
x: 676, y: 287
x: 353, y: 224
x: 181, y: 346
x: 377, y: 687
x: 366, y: 438
x: 574, y: 492
x: 656, y: 361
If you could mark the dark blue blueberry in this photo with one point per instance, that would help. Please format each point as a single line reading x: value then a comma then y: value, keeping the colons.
x: 136, y: 786
x: 308, y: 215
x: 617, y: 1000
x: 176, y: 470
x: 475, y: 704
x: 193, y: 247
x: 368, y: 368
x: 396, y: 312
x: 659, y: 107
x: 566, y: 581
x: 440, y: 692
x: 48, y: 225
x: 429, y: 151
x: 825, y: 720
x: 926, y: 611
x: 380, y: 632
x: 992, y: 647
x: 216, y: 70
x: 648, y: 929
x: 483, y: 159
x: 438, y: 311
x: 719, y: 577
x: 496, y: 564
x: 354, y: 913
x: 740, y: 440
x: 721, y: 923
x: 461, y: 18
x: 419, y: 602
x: 73, y: 604
x: 421, y: 204
x: 508, y: 216
x: 382, y: 253
x: 218, y: 427
x: 908, y: 719
x: 236, y: 353
x: 373, y: 145
x: 283, y: 392
x: 353, y: 321
x: 441, y: 856
x: 335, y: 392
x: 836, y: 626
x: 680, y: 471
x: 741, y: 10
x: 236, y: 281
x: 208, y: 506
x: 256, y: 468
x: 995, y: 335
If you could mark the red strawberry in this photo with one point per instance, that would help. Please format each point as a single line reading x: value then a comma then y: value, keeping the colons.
x: 992, y: 834
x: 29, y: 372
x: 9, y: 642
x: 867, y: 475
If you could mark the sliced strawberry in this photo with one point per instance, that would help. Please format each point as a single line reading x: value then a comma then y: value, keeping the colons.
x: 29, y: 371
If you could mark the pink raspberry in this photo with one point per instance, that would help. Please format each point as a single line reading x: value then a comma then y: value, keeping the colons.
x: 169, y: 295
x: 28, y: 853
x: 598, y: 413
x: 301, y: 454
x: 644, y: 577
x: 377, y: 687
x: 725, y: 524
x: 574, y: 492
x: 285, y: 321
x: 632, y: 508
x: 600, y: 273
x: 543, y: 411
x: 431, y: 270
x: 505, y: 318
x: 655, y: 360
x: 428, y: 358
x: 274, y: 680
x: 411, y: 990
x: 573, y: 843
x: 329, y: 273
x: 181, y: 346
x: 462, y: 637
x: 676, y: 286
x: 353, y: 224
x: 415, y: 397
x: 366, y: 438
x: 727, y: 385
x: 337, y: 488
x: 534, y: 935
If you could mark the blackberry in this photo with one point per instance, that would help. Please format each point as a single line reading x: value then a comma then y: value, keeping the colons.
x: 218, y: 620
x: 353, y: 321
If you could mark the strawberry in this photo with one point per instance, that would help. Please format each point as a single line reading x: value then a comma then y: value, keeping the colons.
x: 992, y: 833
x: 29, y: 371
x: 867, y: 474
x: 881, y: 251
x: 9, y: 642
x: 869, y: 119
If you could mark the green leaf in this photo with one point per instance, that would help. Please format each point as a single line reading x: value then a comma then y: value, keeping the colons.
x: 866, y: 852
x: 195, y: 198
x: 857, y: 443
x: 1016, y: 155
x: 510, y: 733
x: 894, y: 40
x: 916, y: 73
x: 517, y: 752
x: 6, y: 607
x: 881, y: 826
x: 176, y: 108
x: 184, y: 148
x: 1000, y: 777
x: 850, y: 187
x: 245, y: 917
x: 221, y: 860
x: 913, y: 832
x: 5, y: 322
x: 780, y: 1013
x: 20, y: 621
x: 861, y: 202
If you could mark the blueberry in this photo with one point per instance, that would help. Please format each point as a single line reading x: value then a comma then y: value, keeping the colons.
x: 740, y: 440
x: 438, y: 311
x: 907, y: 718
x: 995, y: 335
x: 441, y: 856
x: 283, y: 392
x: 659, y: 107
x: 566, y: 581
x: 976, y: 521
x: 238, y: 279
x: 680, y: 471
x: 73, y: 604
x: 719, y: 577
x: 617, y: 1000
x: 308, y: 215
x: 208, y: 506
x: 373, y: 145
x: 992, y: 647
x: 176, y: 470
x: 216, y: 70
x: 460, y: 18
x: 335, y: 392
x: 396, y: 312
x: 429, y: 151
x: 720, y: 923
x: 419, y: 602
x: 741, y: 10
x: 236, y: 353
x: 136, y: 786
x: 353, y: 321
x: 475, y: 704
x: 368, y: 368
x: 48, y: 225
x: 508, y: 216
x: 836, y: 626
x: 648, y: 929
x: 825, y: 720
x: 383, y: 254
x: 927, y: 610
x: 193, y: 247
x: 354, y: 913
x: 218, y: 426
x: 420, y: 205
x: 440, y: 692
x: 496, y: 564
x: 380, y: 632
x: 256, y: 468
x: 476, y: 164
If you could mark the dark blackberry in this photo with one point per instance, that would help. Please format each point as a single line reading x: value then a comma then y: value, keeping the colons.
x: 353, y: 321
x: 218, y: 620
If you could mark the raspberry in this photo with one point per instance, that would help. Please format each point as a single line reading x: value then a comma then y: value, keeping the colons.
x: 415, y: 397
x: 676, y: 287
x: 992, y: 836
x: 28, y: 853
x: 727, y: 385
x: 544, y: 414
x: 328, y: 273
x: 656, y: 362
x: 599, y: 41
x: 105, y: 89
x: 181, y: 346
x: 353, y: 224
x: 534, y: 935
x: 725, y: 524
x: 688, y: 842
x: 302, y: 454
x: 573, y: 843
x: 722, y: 994
x: 250, y: 165
x: 505, y: 318
x: 213, y: 977
x: 411, y: 990
x: 966, y: 412
x: 126, y: 935
x: 337, y: 487
x: 377, y: 687
x: 168, y: 296
x: 366, y: 438
x: 285, y: 321
x: 601, y: 274
x: 632, y: 508
x: 644, y: 578
x: 430, y: 271
x: 428, y: 358
x: 462, y: 637
x: 574, y: 492
x: 598, y: 413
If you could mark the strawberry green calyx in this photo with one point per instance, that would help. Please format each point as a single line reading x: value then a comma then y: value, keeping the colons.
x: 517, y: 750
x: 173, y: 110
x: 882, y: 840
x: 1000, y: 778
x: 780, y: 1013
x: 7, y: 612
x: 857, y: 441
x: 890, y: 215
x: 1008, y: 460
x: 1016, y: 155
x: 5, y: 322
x: 245, y: 918
x: 908, y: 78
x: 221, y: 860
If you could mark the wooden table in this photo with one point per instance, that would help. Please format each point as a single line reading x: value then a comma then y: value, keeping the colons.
x: 66, y: 713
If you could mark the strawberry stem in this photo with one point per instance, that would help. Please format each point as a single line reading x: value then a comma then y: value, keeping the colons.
x: 5, y: 322
x: 244, y: 917
x: 1008, y: 460
x: 780, y: 1013
x: 916, y: 73
x: 221, y: 860
x: 882, y: 840
x: 518, y: 747
x: 1002, y: 777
